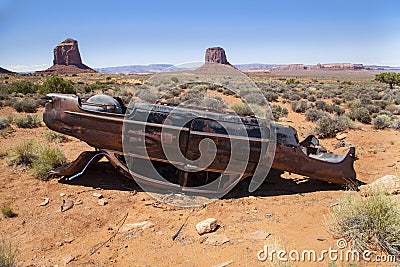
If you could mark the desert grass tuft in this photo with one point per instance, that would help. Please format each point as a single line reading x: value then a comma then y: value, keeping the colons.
x: 54, y: 137
x: 48, y: 159
x: 41, y: 159
x: 8, y: 254
x: 27, y: 121
x: 371, y: 222
x: 8, y: 212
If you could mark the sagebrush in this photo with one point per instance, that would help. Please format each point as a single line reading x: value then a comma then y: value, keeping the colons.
x: 371, y: 222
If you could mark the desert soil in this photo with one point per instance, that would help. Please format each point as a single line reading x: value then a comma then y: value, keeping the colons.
x: 292, y: 209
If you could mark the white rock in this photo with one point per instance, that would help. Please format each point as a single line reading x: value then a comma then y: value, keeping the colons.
x: 389, y: 184
x: 341, y: 136
x: 62, y: 195
x: 45, y: 202
x: 67, y: 204
x: 257, y: 235
x: 102, y: 202
x: 216, y: 240
x: 206, y: 226
x: 68, y: 258
x: 69, y: 240
x: 98, y: 195
x: 140, y: 225
x: 224, y: 264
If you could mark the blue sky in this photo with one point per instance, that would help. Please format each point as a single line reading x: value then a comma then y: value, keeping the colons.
x: 115, y: 33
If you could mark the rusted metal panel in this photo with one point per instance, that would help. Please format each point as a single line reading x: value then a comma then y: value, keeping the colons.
x: 103, y: 130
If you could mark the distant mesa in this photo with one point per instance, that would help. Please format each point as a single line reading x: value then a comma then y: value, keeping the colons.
x: 67, y: 59
x: 5, y: 71
x: 333, y: 66
x: 216, y: 55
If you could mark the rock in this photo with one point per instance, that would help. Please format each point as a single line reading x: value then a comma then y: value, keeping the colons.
x: 206, y: 226
x: 45, y: 202
x: 216, y: 240
x: 202, y: 239
x: 69, y: 240
x: 67, y: 204
x: 216, y: 55
x: 339, y: 144
x: 389, y: 184
x: 98, y: 195
x: 68, y: 258
x: 132, y: 226
x: 223, y: 264
x: 102, y: 202
x: 341, y: 136
x: 257, y: 235
x: 321, y: 238
x: 67, y: 53
x: 62, y: 195
x: 67, y: 59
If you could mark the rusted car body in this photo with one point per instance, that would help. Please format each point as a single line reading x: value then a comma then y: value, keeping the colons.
x: 101, y: 125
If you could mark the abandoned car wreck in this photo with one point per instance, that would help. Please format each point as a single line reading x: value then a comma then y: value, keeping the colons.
x: 100, y: 121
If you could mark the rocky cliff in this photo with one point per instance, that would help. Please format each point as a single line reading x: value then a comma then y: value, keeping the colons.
x: 67, y: 59
x: 216, y: 55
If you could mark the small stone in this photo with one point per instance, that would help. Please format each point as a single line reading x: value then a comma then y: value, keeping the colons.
x: 59, y: 244
x: 203, y: 239
x: 62, y: 195
x: 206, y: 226
x: 69, y: 240
x: 223, y: 264
x: 216, y: 240
x: 341, y: 136
x: 391, y: 165
x: 68, y: 258
x: 257, y: 235
x: 321, y: 238
x: 45, y: 202
x: 102, y: 202
x: 67, y: 204
x: 268, y: 215
x: 78, y: 202
x: 141, y: 225
x: 98, y: 195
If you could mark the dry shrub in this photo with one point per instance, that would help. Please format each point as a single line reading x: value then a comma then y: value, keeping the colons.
x: 329, y: 127
x: 40, y: 158
x: 27, y: 121
x: 381, y: 122
x: 371, y: 222
x: 8, y: 254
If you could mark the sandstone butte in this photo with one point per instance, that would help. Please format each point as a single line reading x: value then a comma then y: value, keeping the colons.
x: 67, y: 59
